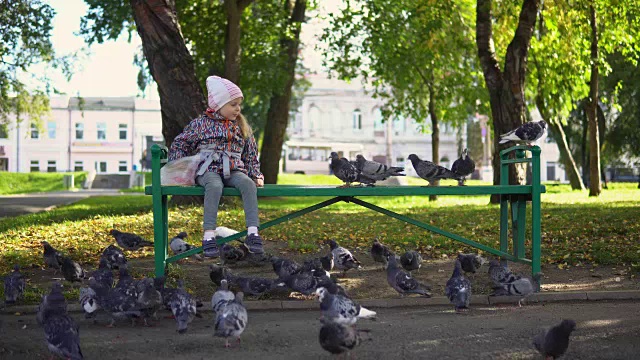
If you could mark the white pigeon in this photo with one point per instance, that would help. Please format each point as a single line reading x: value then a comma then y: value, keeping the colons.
x: 178, y: 245
x: 341, y: 309
x: 231, y: 320
x: 526, y: 133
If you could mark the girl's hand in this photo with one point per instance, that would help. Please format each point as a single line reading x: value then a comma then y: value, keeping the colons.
x: 259, y: 182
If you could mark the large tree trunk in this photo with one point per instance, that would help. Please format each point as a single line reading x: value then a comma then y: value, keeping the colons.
x: 435, y: 138
x: 278, y: 113
x: 233, y: 9
x: 583, y: 145
x: 595, y: 187
x: 171, y: 65
x: 506, y: 89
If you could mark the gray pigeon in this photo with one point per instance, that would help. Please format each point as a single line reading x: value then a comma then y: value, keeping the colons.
x: 218, y: 273
x: 14, y: 285
x: 402, y: 282
x: 346, y: 171
x: 458, y: 289
x: 114, y: 257
x: 121, y: 301
x: 376, y: 170
x: 430, y: 171
x: 103, y: 274
x: 327, y: 262
x: 61, y: 332
x: 379, y: 252
x: 470, y: 262
x: 52, y: 257
x: 53, y: 301
x: 183, y: 307
x: 129, y: 241
x: 341, y: 309
x: 315, y: 265
x: 339, y: 338
x: 221, y: 297
x: 305, y: 282
x: 342, y: 258
x: 165, y: 292
x: 411, y: 260
x: 231, y: 320
x: 231, y: 254
x: 149, y: 299
x: 463, y: 166
x: 526, y: 133
x: 178, y: 245
x: 522, y: 287
x: 89, y: 302
x: 71, y: 270
x: 501, y: 275
x: 284, y: 267
x: 553, y: 343
x: 253, y: 286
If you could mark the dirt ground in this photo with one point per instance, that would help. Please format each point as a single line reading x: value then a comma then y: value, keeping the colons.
x: 370, y: 281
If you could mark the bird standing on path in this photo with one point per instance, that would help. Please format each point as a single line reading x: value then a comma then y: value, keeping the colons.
x: 470, y: 262
x: 52, y: 257
x: 527, y: 133
x: 14, y: 285
x: 402, y: 282
x: 379, y: 252
x: 554, y: 342
x: 339, y: 338
x: 61, y: 332
x: 343, y: 259
x: 463, y: 167
x: 114, y: 257
x: 231, y: 320
x: 430, y: 171
x: 458, y: 289
x: 411, y: 260
x: 129, y: 241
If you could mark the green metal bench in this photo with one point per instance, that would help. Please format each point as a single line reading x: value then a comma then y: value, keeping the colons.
x: 517, y: 195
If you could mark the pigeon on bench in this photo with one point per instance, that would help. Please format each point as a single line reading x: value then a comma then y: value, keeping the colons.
x: 458, y: 289
x: 463, y: 167
x: 52, y: 257
x: 346, y: 171
x: 375, y: 170
x: 339, y: 338
x: 526, y: 133
x: 178, y: 245
x: 430, y: 171
x: 61, y: 332
x: 554, y: 342
x: 14, y: 285
x: 402, y: 282
x: 129, y: 241
x: 114, y: 257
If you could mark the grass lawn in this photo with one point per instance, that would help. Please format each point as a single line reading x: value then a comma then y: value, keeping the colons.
x: 24, y: 183
x: 577, y: 230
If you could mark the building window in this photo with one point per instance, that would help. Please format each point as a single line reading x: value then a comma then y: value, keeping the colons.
x: 35, y: 166
x: 378, y: 125
x: 78, y: 166
x: 101, y: 166
x: 357, y: 120
x: 51, y: 166
x: 102, y: 131
x: 122, y: 166
x: 123, y: 131
x: 4, y: 132
x: 79, y: 131
x: 51, y: 129
x: 35, y: 133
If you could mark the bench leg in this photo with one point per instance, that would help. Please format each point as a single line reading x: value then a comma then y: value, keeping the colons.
x: 518, y: 222
x: 504, y: 225
x: 160, y: 232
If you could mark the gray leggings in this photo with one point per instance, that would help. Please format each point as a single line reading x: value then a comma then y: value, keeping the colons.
x: 213, y: 184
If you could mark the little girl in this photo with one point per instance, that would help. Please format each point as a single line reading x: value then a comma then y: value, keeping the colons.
x: 225, y: 138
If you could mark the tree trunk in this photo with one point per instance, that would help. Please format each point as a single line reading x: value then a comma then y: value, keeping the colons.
x: 233, y: 9
x: 595, y: 187
x: 435, y: 138
x: 506, y: 89
x: 278, y: 113
x: 583, y: 144
x: 171, y: 66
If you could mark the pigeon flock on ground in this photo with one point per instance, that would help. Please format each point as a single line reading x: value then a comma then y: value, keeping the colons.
x: 109, y: 299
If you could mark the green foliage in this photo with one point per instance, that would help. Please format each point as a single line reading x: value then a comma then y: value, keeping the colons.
x: 24, y: 183
x: 410, y: 51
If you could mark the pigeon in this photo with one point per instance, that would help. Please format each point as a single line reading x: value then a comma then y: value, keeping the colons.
x: 121, y: 301
x: 231, y: 320
x: 342, y: 258
x: 341, y: 309
x: 522, y: 287
x: 114, y: 257
x: 501, y: 275
x: 553, y: 343
x: 103, y: 274
x: 149, y: 298
x: 218, y: 273
x: 327, y: 262
x: 379, y: 253
x: 61, y: 332
x: 183, y: 307
x: 231, y: 254
x: 71, y: 270
x: 458, y: 289
x: 14, y: 285
x: 430, y: 171
x: 339, y: 338
x: 223, y: 232
x: 129, y: 241
x: 165, y: 292
x: 221, y: 297
x: 463, y: 166
x: 284, y: 267
x: 347, y: 171
x: 527, y: 133
x: 470, y: 262
x: 305, y: 282
x: 376, y: 170
x: 253, y: 286
x: 89, y: 302
x: 178, y: 245
x: 402, y: 282
x: 52, y: 257
x: 315, y: 265
x: 411, y: 260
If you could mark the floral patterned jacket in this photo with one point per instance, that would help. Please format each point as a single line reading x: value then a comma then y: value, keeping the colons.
x: 221, y: 134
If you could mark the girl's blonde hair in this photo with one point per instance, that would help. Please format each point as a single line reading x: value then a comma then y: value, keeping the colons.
x: 245, y: 128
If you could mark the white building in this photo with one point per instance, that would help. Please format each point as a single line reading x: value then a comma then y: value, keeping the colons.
x: 105, y: 134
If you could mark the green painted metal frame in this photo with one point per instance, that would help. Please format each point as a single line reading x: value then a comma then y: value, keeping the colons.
x: 517, y: 194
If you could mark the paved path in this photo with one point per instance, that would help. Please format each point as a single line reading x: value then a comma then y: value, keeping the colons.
x: 606, y: 330
x: 15, y: 205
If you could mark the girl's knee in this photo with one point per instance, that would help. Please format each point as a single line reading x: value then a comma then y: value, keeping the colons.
x: 214, y: 186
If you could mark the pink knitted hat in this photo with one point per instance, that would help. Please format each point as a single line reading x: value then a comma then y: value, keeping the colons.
x: 221, y: 91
